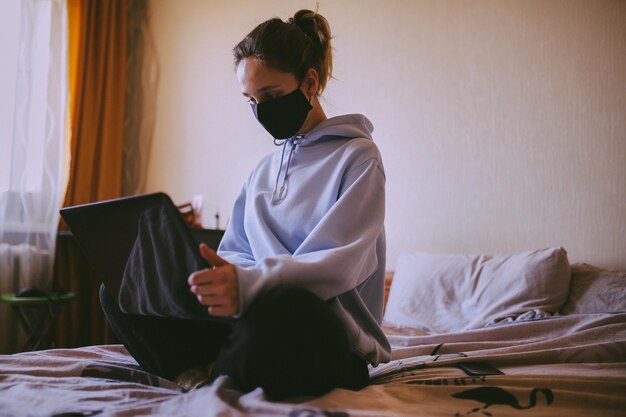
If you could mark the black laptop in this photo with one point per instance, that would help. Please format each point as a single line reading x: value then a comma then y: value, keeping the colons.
x: 128, y: 237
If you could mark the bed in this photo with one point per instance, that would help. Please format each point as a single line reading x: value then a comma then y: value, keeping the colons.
x: 525, y: 334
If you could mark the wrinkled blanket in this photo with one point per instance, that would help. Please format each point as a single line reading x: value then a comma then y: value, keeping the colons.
x: 561, y: 366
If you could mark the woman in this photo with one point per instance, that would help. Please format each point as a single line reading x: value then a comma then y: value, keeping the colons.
x: 301, y: 265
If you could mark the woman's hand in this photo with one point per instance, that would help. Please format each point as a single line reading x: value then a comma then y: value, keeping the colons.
x: 217, y: 288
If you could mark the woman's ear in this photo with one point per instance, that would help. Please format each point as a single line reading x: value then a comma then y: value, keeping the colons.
x: 311, y: 82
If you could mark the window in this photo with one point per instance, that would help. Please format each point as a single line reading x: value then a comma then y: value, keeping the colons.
x: 33, y: 84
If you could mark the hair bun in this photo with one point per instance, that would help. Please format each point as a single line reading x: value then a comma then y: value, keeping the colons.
x: 314, y: 25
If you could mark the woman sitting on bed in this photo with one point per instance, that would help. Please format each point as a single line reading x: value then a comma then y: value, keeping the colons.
x: 301, y: 265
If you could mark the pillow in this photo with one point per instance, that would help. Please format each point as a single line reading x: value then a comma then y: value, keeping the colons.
x: 442, y: 293
x: 595, y: 290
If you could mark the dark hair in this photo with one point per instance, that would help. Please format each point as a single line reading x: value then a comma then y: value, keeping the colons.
x: 294, y: 46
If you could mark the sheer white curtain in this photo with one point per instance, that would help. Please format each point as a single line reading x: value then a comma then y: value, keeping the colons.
x: 35, y: 79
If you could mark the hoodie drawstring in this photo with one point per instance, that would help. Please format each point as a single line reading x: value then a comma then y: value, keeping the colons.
x: 278, y: 194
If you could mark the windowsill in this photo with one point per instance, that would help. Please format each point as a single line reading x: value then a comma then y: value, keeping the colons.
x: 32, y: 234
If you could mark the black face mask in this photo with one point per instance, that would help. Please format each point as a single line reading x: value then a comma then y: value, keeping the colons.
x: 283, y: 116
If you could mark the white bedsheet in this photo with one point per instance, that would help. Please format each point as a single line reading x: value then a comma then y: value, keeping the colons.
x: 564, y: 366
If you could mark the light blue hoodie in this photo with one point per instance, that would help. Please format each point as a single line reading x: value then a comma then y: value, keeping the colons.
x: 312, y: 216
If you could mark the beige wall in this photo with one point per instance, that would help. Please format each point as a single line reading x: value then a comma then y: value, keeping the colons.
x: 501, y: 123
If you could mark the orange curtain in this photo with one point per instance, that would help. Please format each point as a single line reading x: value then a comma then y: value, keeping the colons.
x: 98, y: 43
x: 97, y: 74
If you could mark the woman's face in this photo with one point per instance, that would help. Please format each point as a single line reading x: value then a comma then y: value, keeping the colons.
x: 260, y: 83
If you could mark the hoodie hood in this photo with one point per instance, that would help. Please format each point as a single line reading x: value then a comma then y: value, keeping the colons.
x: 346, y: 126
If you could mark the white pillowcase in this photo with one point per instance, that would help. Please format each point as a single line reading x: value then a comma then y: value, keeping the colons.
x: 443, y: 293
